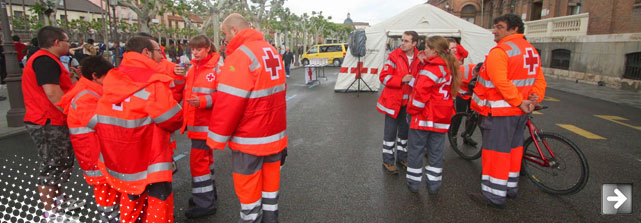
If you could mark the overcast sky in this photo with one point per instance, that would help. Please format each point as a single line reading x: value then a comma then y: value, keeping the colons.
x: 371, y: 11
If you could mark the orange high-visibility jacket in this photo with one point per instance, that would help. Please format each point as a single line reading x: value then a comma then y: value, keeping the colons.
x: 512, y: 70
x: 250, y: 108
x: 431, y: 104
x: 466, y: 77
x: 201, y: 82
x: 134, y: 119
x: 396, y: 93
x: 79, y: 105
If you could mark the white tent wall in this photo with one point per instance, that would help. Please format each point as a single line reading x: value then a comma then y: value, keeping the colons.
x: 427, y: 20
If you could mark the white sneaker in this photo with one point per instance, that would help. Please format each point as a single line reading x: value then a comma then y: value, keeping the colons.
x: 69, y: 204
x: 60, y: 218
x: 288, y: 76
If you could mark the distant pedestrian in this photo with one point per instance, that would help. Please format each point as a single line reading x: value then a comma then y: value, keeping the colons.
x: 20, y: 49
x: 288, y: 59
x: 44, y: 81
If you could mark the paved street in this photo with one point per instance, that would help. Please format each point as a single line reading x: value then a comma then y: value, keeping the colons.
x: 333, y: 172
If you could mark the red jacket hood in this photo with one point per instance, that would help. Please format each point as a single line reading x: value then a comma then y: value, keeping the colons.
x: 242, y: 37
x: 135, y: 72
x: 399, y: 52
x: 210, y: 61
x: 82, y: 84
x: 436, y: 60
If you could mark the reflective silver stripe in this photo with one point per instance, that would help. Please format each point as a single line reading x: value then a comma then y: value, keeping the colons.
x: 255, y: 64
x: 517, y: 83
x: 270, y: 195
x: 500, y: 193
x: 466, y: 71
x: 391, y: 63
x: 515, y: 51
x: 491, y: 104
x: 402, y: 141
x: 209, y: 101
x: 430, y: 75
x: 494, y: 180
x: 248, y: 217
x: 411, y: 83
x: 400, y: 148
x: 267, y: 92
x: 80, y: 130
x: 259, y: 140
x: 168, y: 114
x: 434, y: 169
x: 433, y: 178
x: 386, y: 110
x: 93, y: 121
x: 485, y: 83
x: 123, y: 122
x: 442, y: 70
x: 388, y: 151
x: 250, y: 94
x: 202, y: 178
x: 181, y: 81
x: 203, y: 90
x: 233, y: 91
x: 431, y: 124
x: 143, y: 94
x: 73, y: 101
x: 514, y: 174
x: 140, y: 175
x: 93, y: 173
x: 199, y: 190
x: 512, y: 184
x: 270, y: 207
x: 405, y: 97
x: 418, y: 103
x: 216, y: 137
x: 461, y: 91
x: 197, y: 128
x: 249, y: 207
x: 414, y: 178
x: 388, y: 143
x: 387, y: 79
x: 414, y: 170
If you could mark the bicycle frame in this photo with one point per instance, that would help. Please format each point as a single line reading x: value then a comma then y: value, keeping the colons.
x: 541, y: 160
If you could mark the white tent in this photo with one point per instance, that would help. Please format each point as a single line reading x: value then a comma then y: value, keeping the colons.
x: 425, y: 19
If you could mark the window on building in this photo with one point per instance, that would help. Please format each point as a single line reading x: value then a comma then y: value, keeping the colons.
x: 17, y: 13
x: 633, y: 66
x: 560, y: 59
x: 468, y: 13
x: 540, y: 54
x: 574, y: 7
x: 535, y: 13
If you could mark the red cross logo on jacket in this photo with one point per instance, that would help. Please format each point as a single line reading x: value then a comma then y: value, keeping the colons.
x: 272, y: 63
x: 211, y: 77
x: 530, y: 61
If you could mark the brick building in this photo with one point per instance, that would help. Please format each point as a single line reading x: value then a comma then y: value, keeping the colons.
x: 606, y: 16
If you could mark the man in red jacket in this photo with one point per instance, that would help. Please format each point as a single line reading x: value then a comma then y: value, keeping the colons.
x: 134, y: 119
x: 250, y: 113
x: 400, y: 68
x: 44, y: 81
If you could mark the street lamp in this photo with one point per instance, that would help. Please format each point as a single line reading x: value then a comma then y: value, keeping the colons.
x: 15, y: 115
x: 113, y: 4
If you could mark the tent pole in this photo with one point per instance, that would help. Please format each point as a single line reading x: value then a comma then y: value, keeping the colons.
x: 482, y: 13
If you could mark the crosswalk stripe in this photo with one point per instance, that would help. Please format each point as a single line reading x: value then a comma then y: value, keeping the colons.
x: 550, y: 99
x: 618, y: 120
x: 580, y: 131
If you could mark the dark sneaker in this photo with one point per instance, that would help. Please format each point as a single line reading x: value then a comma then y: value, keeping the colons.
x: 469, y: 141
x: 197, y: 212
x: 390, y: 169
x: 432, y: 192
x: 191, y: 201
x: 479, y: 198
x: 412, y: 188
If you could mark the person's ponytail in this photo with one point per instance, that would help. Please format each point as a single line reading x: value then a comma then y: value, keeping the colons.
x: 441, y: 46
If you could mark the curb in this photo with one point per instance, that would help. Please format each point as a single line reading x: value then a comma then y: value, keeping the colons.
x: 14, y: 131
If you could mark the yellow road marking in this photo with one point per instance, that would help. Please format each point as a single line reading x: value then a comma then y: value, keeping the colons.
x: 617, y: 119
x: 537, y: 113
x: 580, y: 131
x: 550, y: 99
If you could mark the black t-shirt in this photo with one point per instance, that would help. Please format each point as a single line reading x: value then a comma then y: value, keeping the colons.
x: 47, y: 70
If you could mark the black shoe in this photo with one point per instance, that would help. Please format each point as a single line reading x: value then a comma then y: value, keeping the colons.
x: 2, y: 98
x: 191, y: 202
x: 469, y: 141
x: 479, y: 198
x: 197, y: 212
x: 412, y: 189
x: 432, y: 192
x: 402, y: 164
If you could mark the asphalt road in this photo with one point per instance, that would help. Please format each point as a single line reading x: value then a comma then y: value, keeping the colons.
x: 333, y: 172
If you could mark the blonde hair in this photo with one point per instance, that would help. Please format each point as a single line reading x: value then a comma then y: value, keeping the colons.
x: 441, y: 46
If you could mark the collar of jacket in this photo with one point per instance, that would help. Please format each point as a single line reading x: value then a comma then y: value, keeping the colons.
x: 243, y: 36
x: 436, y: 60
x: 135, y: 72
x: 82, y: 84
x: 510, y: 37
x: 399, y: 52
x: 210, y: 61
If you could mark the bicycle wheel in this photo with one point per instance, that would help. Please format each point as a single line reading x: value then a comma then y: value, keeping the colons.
x: 465, y: 149
x: 567, y: 172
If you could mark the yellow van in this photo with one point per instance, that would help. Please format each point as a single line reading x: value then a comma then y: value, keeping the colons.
x: 334, y: 52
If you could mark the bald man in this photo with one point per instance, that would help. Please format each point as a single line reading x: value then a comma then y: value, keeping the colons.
x: 250, y: 114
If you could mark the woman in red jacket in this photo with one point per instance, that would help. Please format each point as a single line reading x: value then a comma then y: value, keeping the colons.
x: 431, y: 108
x: 199, y: 97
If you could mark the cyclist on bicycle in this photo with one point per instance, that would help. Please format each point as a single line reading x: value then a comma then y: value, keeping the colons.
x: 462, y: 101
x: 509, y: 85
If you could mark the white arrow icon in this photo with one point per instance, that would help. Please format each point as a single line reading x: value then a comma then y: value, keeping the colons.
x: 620, y: 198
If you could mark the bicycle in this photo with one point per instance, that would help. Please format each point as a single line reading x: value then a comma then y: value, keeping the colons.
x: 551, y: 161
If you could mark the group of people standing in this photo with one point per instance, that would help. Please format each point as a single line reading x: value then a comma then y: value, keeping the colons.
x: 418, y: 103
x: 120, y: 122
